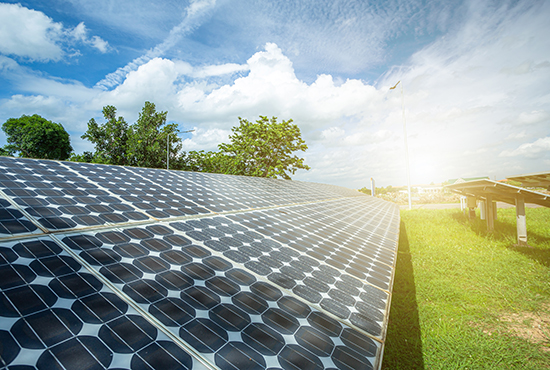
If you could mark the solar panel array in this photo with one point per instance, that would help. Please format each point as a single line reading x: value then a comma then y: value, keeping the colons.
x: 108, y: 267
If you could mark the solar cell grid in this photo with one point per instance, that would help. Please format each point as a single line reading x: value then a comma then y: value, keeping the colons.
x: 355, y: 216
x: 287, y: 267
x: 289, y: 275
x: 273, y: 190
x: 13, y: 222
x: 53, y: 312
x: 208, y: 293
x: 198, y: 189
x: 243, y: 193
x: 147, y: 196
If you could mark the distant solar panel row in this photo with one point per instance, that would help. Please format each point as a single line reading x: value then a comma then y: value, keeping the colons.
x: 106, y: 267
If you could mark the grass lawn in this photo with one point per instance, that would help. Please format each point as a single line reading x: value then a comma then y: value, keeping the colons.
x: 465, y: 299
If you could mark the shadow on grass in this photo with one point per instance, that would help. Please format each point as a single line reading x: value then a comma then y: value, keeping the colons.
x: 507, y: 232
x: 403, y: 347
x: 542, y: 256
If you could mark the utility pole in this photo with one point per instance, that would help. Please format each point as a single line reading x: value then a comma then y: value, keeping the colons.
x: 406, y: 144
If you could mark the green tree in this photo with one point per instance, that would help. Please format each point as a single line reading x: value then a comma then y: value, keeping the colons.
x: 142, y: 144
x: 365, y: 190
x: 110, y: 139
x: 264, y: 148
x: 149, y: 137
x: 5, y: 152
x: 36, y: 137
x: 87, y: 157
x: 207, y: 161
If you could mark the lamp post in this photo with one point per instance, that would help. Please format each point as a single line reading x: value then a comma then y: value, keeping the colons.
x: 406, y: 145
x: 168, y: 148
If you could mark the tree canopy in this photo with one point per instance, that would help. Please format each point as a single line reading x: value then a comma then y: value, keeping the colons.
x: 263, y: 148
x: 110, y: 138
x: 142, y: 144
x: 36, y: 137
x: 148, y: 137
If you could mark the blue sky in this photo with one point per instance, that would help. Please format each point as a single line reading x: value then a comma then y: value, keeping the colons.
x: 475, y: 75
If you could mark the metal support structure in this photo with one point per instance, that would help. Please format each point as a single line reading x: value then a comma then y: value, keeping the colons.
x: 472, y: 204
x: 462, y: 203
x: 372, y: 188
x: 490, y: 213
x: 483, y: 209
x: 491, y: 191
x: 521, y: 220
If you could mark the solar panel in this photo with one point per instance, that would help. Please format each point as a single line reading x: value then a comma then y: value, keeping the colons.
x: 107, y: 267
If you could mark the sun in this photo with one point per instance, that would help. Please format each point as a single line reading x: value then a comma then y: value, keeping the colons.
x: 424, y: 171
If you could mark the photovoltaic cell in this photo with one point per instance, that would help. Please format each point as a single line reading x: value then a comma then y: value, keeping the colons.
x: 54, y: 305
x: 117, y: 267
x: 12, y: 220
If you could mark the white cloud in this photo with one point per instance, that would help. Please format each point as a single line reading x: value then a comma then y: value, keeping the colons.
x: 532, y: 150
x: 152, y: 81
x: 218, y: 70
x: 206, y: 139
x: 517, y: 135
x: 100, y: 44
x: 7, y: 65
x: 272, y: 88
x: 80, y: 33
x: 533, y: 117
x: 199, y: 6
x: 30, y: 34
x: 332, y: 133
x: 194, y: 14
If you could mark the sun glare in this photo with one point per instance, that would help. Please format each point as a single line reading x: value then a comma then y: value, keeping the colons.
x: 424, y: 171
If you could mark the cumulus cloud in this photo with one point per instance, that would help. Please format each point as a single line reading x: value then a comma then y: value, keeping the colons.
x: 30, y: 34
x: 270, y: 87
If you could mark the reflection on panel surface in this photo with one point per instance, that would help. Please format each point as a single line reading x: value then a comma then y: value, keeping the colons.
x: 108, y: 267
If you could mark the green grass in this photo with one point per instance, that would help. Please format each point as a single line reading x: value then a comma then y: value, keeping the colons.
x: 466, y: 299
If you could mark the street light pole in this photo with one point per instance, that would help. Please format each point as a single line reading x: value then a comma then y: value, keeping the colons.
x: 406, y: 144
x: 168, y: 148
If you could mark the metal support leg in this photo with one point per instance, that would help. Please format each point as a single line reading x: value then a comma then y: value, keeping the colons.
x: 490, y: 214
x: 472, y: 204
x: 521, y: 220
